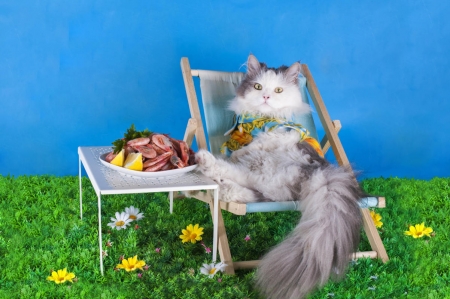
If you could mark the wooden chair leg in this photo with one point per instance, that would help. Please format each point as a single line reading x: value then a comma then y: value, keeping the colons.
x: 373, y: 236
x: 223, y: 246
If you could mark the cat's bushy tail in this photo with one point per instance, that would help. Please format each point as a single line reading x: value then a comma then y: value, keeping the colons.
x: 321, y: 245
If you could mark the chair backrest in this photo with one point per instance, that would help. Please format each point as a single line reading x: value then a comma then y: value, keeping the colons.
x: 217, y: 89
x: 306, y: 85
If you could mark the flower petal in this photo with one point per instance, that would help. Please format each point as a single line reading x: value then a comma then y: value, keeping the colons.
x: 140, y: 264
x: 427, y: 231
x: 54, y: 276
x: 221, y: 266
x: 70, y: 276
x: 204, y: 271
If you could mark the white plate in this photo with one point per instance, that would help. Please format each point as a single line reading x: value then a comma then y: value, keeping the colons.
x: 147, y: 174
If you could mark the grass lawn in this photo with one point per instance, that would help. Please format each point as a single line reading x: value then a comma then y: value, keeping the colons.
x: 41, y: 231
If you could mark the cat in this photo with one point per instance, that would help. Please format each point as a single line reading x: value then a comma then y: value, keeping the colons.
x: 271, y: 159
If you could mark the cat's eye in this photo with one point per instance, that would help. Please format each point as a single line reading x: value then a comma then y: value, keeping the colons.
x: 278, y: 90
x: 257, y: 86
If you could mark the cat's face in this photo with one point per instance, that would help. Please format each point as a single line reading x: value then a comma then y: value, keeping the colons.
x: 269, y: 91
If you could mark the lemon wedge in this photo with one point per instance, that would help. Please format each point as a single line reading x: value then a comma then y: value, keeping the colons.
x: 118, y: 160
x: 134, y: 161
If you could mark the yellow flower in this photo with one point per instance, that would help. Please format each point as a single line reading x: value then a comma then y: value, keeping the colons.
x: 376, y: 219
x: 131, y: 264
x: 419, y: 230
x: 191, y: 233
x: 61, y: 276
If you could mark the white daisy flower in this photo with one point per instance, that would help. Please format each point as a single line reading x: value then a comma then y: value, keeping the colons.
x: 133, y: 213
x: 121, y: 221
x: 212, y: 269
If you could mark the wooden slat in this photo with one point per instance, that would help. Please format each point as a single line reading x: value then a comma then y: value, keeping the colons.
x: 381, y: 202
x: 364, y: 254
x: 195, y: 73
x: 324, y: 143
x: 246, y: 264
x: 234, y: 207
x: 373, y: 236
x: 203, y: 196
x: 322, y: 111
x: 193, y: 103
x: 255, y: 263
x: 190, y: 131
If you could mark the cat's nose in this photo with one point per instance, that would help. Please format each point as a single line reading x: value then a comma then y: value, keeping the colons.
x: 266, y: 97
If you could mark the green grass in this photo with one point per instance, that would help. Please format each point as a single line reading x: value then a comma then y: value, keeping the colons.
x: 41, y: 231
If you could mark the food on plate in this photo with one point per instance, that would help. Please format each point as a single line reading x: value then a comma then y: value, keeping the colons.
x: 148, y: 151
x: 131, y: 134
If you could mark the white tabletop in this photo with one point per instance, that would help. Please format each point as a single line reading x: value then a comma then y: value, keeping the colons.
x: 108, y: 181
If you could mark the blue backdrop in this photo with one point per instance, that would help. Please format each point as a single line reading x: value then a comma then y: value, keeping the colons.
x: 79, y: 73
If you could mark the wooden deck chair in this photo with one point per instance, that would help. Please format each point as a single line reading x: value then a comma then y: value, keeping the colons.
x: 217, y: 88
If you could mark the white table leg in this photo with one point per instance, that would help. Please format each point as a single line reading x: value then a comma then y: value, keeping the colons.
x: 100, y: 241
x: 171, y: 201
x: 81, y: 189
x: 216, y: 223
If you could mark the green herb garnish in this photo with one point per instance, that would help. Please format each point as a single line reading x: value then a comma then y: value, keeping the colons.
x: 129, y: 135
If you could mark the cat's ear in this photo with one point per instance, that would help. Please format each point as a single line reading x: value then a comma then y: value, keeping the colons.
x: 293, y: 71
x: 253, y: 65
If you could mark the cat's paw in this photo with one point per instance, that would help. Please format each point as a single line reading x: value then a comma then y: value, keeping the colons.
x: 206, y: 162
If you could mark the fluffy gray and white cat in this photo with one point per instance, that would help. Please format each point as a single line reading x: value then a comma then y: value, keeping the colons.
x: 277, y: 165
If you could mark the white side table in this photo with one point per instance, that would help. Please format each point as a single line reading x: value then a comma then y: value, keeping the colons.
x: 108, y: 181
